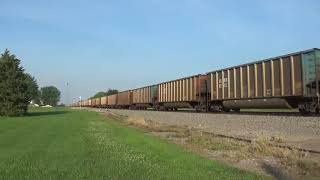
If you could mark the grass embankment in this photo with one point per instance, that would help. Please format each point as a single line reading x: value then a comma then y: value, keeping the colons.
x: 71, y: 144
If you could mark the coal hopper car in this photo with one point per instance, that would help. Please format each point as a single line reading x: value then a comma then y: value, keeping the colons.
x: 189, y: 92
x: 289, y: 81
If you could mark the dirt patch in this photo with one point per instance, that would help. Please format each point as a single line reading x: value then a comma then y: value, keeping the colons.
x: 258, y: 155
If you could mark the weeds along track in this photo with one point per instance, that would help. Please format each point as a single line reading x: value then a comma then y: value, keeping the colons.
x: 269, y: 143
x: 238, y: 138
x: 290, y: 128
x: 292, y: 131
x: 260, y: 154
x: 283, y: 147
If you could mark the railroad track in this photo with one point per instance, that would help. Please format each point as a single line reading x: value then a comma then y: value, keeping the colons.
x: 296, y: 114
x: 271, y: 114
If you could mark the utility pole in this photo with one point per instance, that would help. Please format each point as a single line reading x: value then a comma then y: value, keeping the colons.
x: 68, y: 94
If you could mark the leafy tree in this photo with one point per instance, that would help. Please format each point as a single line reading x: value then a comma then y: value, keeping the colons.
x: 102, y: 94
x: 99, y: 94
x: 50, y: 95
x: 61, y: 105
x: 111, y: 92
x: 16, y: 87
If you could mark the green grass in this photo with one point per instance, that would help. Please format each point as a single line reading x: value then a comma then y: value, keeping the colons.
x: 70, y: 144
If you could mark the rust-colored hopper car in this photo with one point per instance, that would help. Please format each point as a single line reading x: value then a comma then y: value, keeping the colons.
x: 187, y: 92
x: 124, y: 99
x: 104, y: 101
x: 112, y: 100
x: 288, y: 81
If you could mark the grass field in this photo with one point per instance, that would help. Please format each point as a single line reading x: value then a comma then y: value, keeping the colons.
x: 71, y: 144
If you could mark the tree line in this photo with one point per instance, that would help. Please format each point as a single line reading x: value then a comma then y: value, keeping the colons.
x: 18, y: 88
x: 107, y: 93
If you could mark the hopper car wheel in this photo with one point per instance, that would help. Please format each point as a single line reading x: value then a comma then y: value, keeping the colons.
x: 226, y: 110
x: 157, y: 107
x: 217, y: 108
x: 201, y: 108
x: 303, y: 111
x: 305, y: 108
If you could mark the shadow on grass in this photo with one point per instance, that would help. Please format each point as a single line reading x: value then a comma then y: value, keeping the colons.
x: 47, y: 113
x: 276, y: 172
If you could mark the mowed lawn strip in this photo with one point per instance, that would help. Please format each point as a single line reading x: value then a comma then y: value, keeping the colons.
x: 72, y: 144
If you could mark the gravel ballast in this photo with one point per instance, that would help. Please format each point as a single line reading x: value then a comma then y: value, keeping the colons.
x: 299, y: 131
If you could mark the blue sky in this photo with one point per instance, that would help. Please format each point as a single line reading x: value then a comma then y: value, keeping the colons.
x: 100, y: 44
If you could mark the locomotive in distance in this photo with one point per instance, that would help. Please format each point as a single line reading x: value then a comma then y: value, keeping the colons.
x: 288, y: 81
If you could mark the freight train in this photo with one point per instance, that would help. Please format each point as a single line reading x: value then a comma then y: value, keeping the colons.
x: 288, y: 81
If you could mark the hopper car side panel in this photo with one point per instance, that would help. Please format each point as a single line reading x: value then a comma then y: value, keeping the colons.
x: 181, y: 93
x: 93, y: 102
x: 142, y: 98
x: 284, y: 79
x: 124, y: 99
x: 112, y: 100
x: 98, y: 102
x: 104, y: 101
